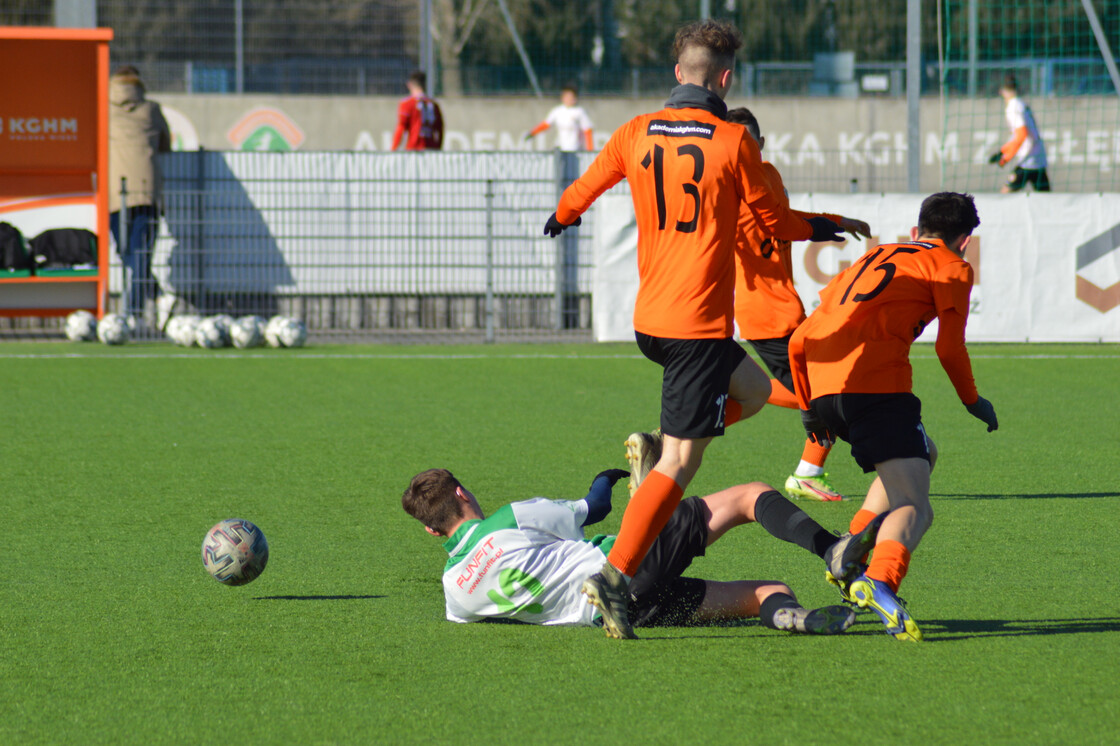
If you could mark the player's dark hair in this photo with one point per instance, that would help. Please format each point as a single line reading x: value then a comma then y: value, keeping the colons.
x: 420, y: 78
x: 430, y: 499
x: 743, y: 116
x: 570, y: 87
x: 948, y: 216
x: 1009, y: 83
x: 719, y: 39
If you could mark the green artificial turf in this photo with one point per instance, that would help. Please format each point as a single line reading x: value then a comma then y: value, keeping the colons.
x: 116, y: 461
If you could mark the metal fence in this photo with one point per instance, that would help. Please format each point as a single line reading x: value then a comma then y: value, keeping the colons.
x: 374, y: 246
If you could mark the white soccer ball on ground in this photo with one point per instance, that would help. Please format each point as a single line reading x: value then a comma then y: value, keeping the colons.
x: 292, y: 333
x: 272, y: 331
x: 234, y: 551
x: 211, y: 333
x: 247, y: 331
x: 113, y: 329
x: 181, y: 329
x: 81, y: 326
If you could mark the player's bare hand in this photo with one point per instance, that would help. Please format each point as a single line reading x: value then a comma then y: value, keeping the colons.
x: 857, y: 228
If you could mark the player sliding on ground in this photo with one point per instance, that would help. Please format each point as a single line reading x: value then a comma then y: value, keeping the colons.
x: 528, y: 561
x: 851, y: 371
x: 689, y: 173
x: 768, y: 309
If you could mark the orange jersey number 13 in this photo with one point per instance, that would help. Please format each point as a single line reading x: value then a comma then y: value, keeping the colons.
x: 656, y: 158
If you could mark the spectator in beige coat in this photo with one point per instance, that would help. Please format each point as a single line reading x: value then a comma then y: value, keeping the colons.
x: 137, y: 134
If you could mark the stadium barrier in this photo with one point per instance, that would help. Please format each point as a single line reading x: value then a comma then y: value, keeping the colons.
x: 1047, y: 266
x: 370, y: 245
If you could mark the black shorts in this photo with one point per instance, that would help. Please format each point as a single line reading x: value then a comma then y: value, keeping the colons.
x: 694, y: 383
x: 1020, y: 177
x: 880, y: 427
x: 775, y: 354
x: 660, y: 596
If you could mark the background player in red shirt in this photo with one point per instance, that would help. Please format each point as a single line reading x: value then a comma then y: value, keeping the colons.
x: 768, y: 309
x: 851, y: 369
x: 689, y: 172
x: 419, y: 116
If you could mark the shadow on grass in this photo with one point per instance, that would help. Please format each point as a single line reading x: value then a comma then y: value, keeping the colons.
x: 1039, y: 496
x: 951, y: 630
x: 312, y: 598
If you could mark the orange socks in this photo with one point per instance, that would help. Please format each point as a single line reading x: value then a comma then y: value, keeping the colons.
x: 649, y: 510
x: 780, y: 396
x: 814, y: 453
x: 889, y: 563
x: 860, y: 521
x: 732, y: 412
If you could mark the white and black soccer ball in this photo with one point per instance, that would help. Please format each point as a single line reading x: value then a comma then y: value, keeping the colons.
x: 235, y: 551
x: 292, y: 333
x: 211, y: 333
x: 113, y: 329
x: 181, y: 329
x: 247, y: 331
x: 81, y: 326
x: 272, y: 331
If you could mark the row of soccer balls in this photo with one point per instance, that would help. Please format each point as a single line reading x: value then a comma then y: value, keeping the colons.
x: 248, y: 331
x: 186, y: 331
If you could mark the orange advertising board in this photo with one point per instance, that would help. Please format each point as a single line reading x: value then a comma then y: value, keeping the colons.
x: 54, y: 154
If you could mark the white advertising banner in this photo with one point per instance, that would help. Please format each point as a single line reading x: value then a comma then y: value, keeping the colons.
x: 1047, y: 265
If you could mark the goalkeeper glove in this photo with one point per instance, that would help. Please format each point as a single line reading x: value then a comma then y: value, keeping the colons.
x: 815, y: 429
x: 996, y: 157
x: 824, y: 230
x: 983, y: 410
x: 554, y: 227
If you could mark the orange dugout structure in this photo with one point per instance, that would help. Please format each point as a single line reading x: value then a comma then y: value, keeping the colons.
x: 54, y: 158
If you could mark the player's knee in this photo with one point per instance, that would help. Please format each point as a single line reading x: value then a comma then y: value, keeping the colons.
x: 932, y: 453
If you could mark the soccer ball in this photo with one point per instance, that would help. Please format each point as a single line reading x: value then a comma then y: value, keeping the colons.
x: 181, y: 329
x: 247, y: 331
x: 272, y: 331
x: 211, y: 333
x: 113, y: 329
x: 81, y: 326
x: 235, y: 552
x: 292, y: 333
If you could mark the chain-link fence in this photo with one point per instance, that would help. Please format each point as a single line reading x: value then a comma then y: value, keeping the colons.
x: 374, y: 246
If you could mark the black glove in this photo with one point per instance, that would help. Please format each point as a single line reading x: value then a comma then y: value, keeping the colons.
x: 824, y: 230
x: 554, y: 227
x: 983, y: 410
x: 612, y: 474
x: 995, y: 157
x: 816, y: 430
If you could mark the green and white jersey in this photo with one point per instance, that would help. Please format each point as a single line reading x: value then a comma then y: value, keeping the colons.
x: 527, y: 562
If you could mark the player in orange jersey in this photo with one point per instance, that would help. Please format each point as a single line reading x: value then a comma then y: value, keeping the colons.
x: 689, y: 173
x: 851, y: 371
x: 768, y: 309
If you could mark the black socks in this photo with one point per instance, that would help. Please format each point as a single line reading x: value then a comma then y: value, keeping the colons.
x: 783, y: 519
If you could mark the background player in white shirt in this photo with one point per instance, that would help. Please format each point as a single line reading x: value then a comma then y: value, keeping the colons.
x: 573, y: 126
x: 1025, y: 147
x: 529, y: 559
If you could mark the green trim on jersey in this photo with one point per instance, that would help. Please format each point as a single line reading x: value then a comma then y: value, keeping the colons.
x: 604, y: 541
x: 502, y: 518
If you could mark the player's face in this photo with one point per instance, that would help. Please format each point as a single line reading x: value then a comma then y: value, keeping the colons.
x: 568, y: 98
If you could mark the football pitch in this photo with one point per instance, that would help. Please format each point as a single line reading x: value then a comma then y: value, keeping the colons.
x: 116, y: 462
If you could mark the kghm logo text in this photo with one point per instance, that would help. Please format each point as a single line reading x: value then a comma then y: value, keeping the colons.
x: 40, y: 129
